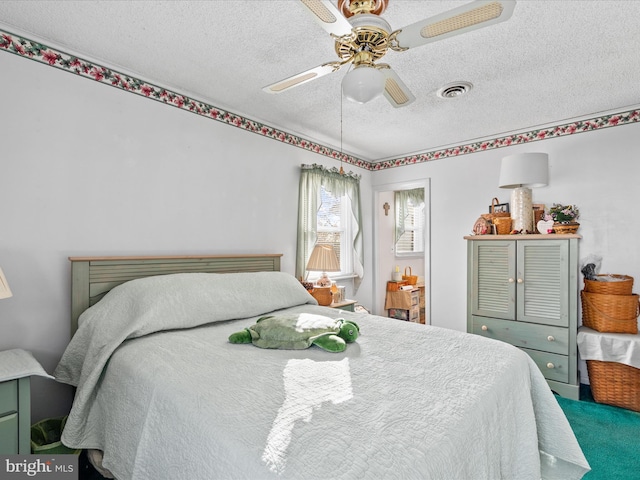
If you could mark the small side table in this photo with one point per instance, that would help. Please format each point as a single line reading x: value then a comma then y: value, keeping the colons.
x: 404, y: 305
x: 16, y: 368
x: 346, y: 305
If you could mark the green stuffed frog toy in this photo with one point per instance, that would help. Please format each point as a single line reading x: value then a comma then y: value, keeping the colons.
x: 299, y: 331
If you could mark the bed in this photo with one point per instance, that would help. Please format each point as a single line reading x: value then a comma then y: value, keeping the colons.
x: 164, y: 394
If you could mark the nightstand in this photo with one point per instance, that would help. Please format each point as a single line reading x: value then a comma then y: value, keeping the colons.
x: 16, y: 366
x: 346, y: 305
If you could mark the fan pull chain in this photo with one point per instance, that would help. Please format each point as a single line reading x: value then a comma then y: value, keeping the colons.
x: 341, y: 153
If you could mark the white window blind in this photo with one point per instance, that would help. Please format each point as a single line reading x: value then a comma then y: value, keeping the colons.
x: 334, y: 226
x: 410, y: 222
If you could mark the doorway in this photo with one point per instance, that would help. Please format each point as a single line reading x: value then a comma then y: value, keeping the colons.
x: 385, y: 259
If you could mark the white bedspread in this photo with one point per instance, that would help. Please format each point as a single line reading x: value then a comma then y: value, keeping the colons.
x: 404, y: 401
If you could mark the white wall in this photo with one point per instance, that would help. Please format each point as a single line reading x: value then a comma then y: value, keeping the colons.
x: 598, y: 171
x: 92, y: 170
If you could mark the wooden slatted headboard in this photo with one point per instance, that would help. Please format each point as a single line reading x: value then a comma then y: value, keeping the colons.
x: 93, y: 277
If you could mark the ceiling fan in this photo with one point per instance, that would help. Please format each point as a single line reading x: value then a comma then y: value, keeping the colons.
x: 362, y: 37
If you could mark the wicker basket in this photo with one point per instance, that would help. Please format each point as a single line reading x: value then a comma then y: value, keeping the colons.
x: 623, y: 285
x: 566, y: 228
x: 493, y: 214
x: 610, y: 313
x: 503, y: 225
x: 322, y: 295
x: 410, y: 279
x: 395, y: 286
x: 615, y: 384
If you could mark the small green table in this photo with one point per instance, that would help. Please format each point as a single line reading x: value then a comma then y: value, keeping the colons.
x: 346, y: 305
x: 16, y: 368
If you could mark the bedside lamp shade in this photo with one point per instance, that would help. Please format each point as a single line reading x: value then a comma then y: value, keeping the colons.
x: 323, y: 259
x: 521, y: 172
x: 5, y: 291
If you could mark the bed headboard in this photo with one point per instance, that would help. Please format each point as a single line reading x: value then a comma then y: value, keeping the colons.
x: 93, y: 277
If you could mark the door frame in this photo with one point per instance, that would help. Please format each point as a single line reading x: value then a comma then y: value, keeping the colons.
x: 378, y: 289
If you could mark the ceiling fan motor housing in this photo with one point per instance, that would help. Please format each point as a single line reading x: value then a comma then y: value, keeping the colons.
x: 370, y: 34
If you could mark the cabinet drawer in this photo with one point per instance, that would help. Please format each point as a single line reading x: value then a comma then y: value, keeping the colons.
x: 552, y: 366
x: 8, y: 397
x: 412, y: 315
x: 415, y: 298
x: 9, y: 434
x: 525, y: 335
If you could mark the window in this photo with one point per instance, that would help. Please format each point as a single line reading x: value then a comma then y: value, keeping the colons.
x: 329, y: 212
x: 334, y: 227
x: 410, y: 221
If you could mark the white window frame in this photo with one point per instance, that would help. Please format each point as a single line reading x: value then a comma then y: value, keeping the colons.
x: 346, y: 233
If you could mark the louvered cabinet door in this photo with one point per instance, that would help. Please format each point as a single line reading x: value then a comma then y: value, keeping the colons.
x: 493, y: 286
x: 542, y: 282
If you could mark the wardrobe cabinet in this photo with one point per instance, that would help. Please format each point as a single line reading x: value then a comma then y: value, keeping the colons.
x: 523, y: 289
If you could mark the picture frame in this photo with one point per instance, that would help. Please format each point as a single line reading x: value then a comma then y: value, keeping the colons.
x: 538, y: 206
x: 499, y: 208
x: 538, y: 212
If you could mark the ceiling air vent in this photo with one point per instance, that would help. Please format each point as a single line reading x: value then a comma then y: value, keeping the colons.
x: 453, y: 90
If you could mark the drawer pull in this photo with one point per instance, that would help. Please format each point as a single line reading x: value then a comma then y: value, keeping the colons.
x: 551, y: 338
x: 550, y: 365
x: 485, y: 328
x: 511, y: 280
x: 520, y: 280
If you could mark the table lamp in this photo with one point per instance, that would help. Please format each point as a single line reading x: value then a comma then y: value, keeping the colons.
x: 323, y: 259
x: 521, y: 172
x: 5, y: 291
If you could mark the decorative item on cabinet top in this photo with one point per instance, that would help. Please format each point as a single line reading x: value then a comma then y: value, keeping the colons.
x: 498, y: 220
x: 522, y: 172
x: 482, y: 227
x: 564, y: 218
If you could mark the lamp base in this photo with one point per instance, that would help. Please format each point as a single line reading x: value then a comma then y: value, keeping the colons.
x: 324, y: 280
x: 521, y: 209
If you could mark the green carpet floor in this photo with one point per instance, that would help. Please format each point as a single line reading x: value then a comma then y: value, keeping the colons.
x: 609, y: 437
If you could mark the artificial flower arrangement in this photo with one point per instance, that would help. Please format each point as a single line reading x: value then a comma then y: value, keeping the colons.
x: 564, y: 213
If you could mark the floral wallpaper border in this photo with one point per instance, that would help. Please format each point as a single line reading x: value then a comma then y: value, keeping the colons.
x: 596, y: 123
x: 43, y: 54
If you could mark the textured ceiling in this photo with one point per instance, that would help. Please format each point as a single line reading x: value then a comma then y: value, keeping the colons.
x: 551, y: 62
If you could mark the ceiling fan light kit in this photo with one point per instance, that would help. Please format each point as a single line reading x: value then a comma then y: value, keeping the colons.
x: 362, y: 37
x: 363, y: 84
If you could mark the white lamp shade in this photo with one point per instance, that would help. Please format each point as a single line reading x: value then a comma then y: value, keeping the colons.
x: 524, y: 170
x: 323, y: 259
x: 5, y: 291
x: 363, y: 84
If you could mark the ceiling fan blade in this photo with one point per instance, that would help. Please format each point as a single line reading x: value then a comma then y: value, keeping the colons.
x: 328, y: 16
x: 303, y: 77
x: 395, y: 91
x: 471, y: 16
